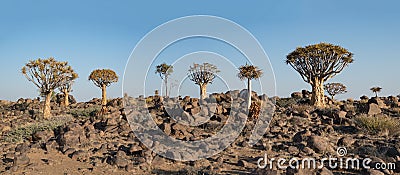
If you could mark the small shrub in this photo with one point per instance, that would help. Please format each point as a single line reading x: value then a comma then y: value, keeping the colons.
x: 378, y: 124
x: 24, y: 132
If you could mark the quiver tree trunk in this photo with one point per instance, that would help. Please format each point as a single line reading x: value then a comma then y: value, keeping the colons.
x: 203, y: 91
x: 166, y: 86
x: 318, y: 97
x: 103, y: 99
x: 47, y: 107
x: 248, y: 93
x: 66, y: 98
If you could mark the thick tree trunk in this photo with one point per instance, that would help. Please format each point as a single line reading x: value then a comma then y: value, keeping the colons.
x: 248, y: 93
x: 47, y: 107
x: 318, y: 97
x: 166, y: 86
x: 66, y: 98
x: 203, y: 91
x: 103, y: 95
x: 103, y: 99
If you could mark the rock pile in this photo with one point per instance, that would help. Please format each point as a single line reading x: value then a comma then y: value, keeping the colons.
x: 296, y: 130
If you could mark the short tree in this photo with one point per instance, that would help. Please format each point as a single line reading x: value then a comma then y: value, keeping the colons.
x: 202, y: 75
x: 47, y: 75
x: 66, y: 87
x: 376, y: 90
x: 249, y: 72
x: 103, y: 78
x: 164, y: 70
x: 318, y: 63
x: 334, y: 89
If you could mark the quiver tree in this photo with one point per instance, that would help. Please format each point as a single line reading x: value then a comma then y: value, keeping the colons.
x: 318, y: 63
x: 249, y: 72
x: 103, y: 78
x: 202, y: 75
x: 376, y: 90
x: 47, y: 75
x: 164, y: 70
x: 334, y: 89
x: 66, y: 86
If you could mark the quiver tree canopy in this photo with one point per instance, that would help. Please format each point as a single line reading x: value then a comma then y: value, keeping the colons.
x: 249, y: 72
x: 202, y: 75
x: 318, y: 63
x: 334, y: 89
x: 47, y: 75
x: 103, y: 77
x: 164, y: 70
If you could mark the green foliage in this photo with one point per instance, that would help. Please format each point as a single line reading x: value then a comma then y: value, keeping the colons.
x: 249, y: 72
x: 85, y: 112
x: 379, y: 124
x: 24, y: 132
x: 103, y: 77
x: 202, y: 74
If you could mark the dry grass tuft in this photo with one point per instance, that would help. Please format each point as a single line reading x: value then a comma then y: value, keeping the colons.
x: 380, y: 124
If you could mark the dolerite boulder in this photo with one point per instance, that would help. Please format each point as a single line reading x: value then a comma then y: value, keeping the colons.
x: 373, y: 109
x: 296, y: 95
x: 306, y: 93
x: 42, y: 135
x: 21, y: 159
x: 120, y: 159
x: 301, y: 136
x: 72, y: 136
x: 346, y: 141
x: 22, y: 148
x: 60, y: 99
x: 80, y: 155
x: 377, y: 101
x: 320, y: 144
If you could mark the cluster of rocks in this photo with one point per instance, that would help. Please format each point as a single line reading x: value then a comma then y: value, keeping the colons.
x: 295, y: 131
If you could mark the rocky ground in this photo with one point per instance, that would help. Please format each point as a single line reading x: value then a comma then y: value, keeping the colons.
x: 78, y: 140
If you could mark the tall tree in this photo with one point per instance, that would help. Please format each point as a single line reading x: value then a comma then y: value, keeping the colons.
x: 249, y: 72
x: 66, y: 86
x: 318, y: 63
x: 47, y: 74
x: 376, y: 90
x: 202, y: 75
x: 164, y: 70
x: 334, y: 89
x: 103, y: 78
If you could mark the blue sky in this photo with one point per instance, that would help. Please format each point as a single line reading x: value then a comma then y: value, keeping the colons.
x: 102, y: 34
